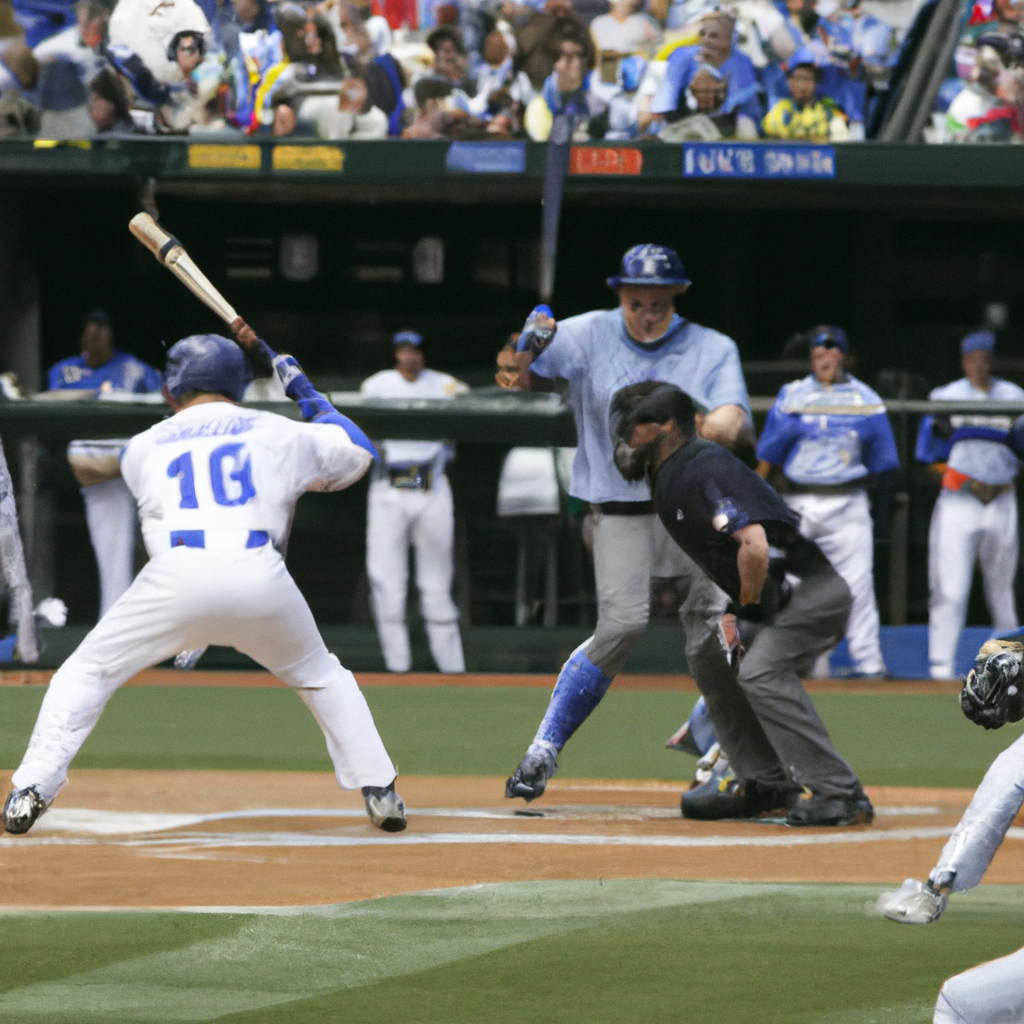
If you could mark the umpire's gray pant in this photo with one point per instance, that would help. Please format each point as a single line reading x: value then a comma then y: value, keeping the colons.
x: 778, y: 654
x: 628, y: 552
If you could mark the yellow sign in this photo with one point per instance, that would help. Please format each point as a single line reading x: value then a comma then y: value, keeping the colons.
x: 54, y: 143
x: 211, y: 157
x: 308, y: 158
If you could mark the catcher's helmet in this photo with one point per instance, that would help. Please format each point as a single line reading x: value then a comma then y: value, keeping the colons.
x: 655, y: 265
x: 206, y: 362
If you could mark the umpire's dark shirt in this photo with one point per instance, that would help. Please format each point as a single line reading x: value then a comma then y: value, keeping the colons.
x: 704, y: 494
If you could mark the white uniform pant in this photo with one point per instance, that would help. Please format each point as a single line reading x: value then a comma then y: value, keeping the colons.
x: 111, y: 513
x: 991, y: 993
x: 963, y: 529
x: 841, y: 526
x: 395, y: 518
x: 186, y: 598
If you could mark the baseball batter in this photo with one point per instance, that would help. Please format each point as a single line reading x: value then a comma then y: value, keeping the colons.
x: 109, y: 506
x: 829, y: 433
x: 991, y: 993
x: 216, y: 486
x: 410, y: 503
x: 975, y: 516
x: 597, y: 354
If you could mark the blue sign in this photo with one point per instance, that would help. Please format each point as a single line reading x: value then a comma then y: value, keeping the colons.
x: 759, y: 160
x: 487, y: 157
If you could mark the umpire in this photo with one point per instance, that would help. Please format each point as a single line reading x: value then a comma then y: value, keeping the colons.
x: 792, y: 604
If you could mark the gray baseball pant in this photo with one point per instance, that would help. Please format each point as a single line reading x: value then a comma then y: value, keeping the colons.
x: 628, y: 551
x: 778, y: 653
x: 991, y: 993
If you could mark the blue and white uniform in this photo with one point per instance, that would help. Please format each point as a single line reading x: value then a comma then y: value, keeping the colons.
x: 410, y: 504
x: 975, y: 517
x: 595, y: 354
x: 110, y: 509
x: 828, y: 439
x: 216, y: 486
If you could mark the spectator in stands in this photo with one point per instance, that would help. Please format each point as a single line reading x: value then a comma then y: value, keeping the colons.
x: 110, y: 510
x: 441, y: 113
x: 975, y: 516
x: 988, y: 107
x: 41, y: 19
x: 827, y: 436
x: 715, y: 50
x: 624, y: 30
x: 803, y: 117
x: 706, y: 119
x: 82, y: 45
x: 19, y: 74
x: 495, y: 72
x: 257, y: 61
x: 450, y: 58
x: 348, y: 114
x: 109, y: 105
x: 539, y: 40
x: 571, y: 90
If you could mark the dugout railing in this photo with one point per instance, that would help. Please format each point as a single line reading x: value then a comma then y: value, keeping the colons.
x: 903, y: 504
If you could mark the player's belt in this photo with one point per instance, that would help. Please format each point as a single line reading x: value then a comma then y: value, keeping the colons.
x: 954, y: 480
x: 411, y: 478
x: 623, y: 508
x: 219, y: 539
x: 826, y: 489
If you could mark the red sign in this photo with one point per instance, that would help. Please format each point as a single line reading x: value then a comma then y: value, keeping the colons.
x: 605, y: 160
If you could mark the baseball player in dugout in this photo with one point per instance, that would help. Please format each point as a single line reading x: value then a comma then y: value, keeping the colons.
x: 975, y: 516
x: 992, y: 695
x: 596, y: 354
x: 790, y: 604
x: 216, y: 486
x: 101, y: 369
x: 830, y: 437
x: 410, y: 503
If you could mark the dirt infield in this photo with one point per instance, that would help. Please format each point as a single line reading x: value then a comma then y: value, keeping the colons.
x: 196, y: 838
x: 624, y: 681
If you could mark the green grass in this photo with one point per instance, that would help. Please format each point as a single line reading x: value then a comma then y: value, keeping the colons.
x: 907, y: 739
x: 617, y: 953
x: 892, y: 739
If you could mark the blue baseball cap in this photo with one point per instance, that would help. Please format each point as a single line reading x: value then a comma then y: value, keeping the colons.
x: 408, y: 338
x: 831, y: 337
x: 976, y: 341
x: 651, y: 265
x: 206, y: 362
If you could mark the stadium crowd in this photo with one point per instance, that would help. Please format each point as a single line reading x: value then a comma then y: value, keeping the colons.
x: 678, y: 70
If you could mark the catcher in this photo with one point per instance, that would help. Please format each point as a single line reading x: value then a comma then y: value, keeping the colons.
x: 992, y: 695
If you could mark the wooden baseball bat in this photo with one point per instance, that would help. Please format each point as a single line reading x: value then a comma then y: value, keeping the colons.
x: 171, y: 253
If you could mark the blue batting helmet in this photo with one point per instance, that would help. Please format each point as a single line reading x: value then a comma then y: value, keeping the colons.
x: 650, y: 265
x: 206, y: 362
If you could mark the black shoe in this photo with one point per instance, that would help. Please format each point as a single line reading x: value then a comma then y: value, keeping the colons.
x: 819, y: 809
x: 530, y: 779
x: 22, y: 808
x: 725, y: 796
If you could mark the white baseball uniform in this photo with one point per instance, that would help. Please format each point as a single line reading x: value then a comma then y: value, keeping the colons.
x: 410, y: 502
x: 216, y: 486
x: 966, y: 527
x: 828, y: 439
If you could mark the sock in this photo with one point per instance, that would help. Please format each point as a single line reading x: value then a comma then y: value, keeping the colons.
x: 580, y: 687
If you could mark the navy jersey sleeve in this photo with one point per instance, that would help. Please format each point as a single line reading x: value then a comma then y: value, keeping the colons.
x: 929, y: 447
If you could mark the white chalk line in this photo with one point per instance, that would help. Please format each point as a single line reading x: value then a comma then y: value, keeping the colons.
x: 294, y: 840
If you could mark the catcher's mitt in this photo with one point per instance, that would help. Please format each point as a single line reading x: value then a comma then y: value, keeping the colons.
x: 991, y: 694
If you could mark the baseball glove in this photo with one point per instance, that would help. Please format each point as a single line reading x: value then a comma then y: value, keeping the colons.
x: 991, y: 694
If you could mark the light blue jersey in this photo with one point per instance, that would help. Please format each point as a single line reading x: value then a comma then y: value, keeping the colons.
x: 596, y: 355
x: 978, y: 445
x: 828, y: 435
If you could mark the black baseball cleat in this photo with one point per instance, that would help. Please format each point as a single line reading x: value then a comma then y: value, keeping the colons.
x: 530, y: 779
x: 725, y: 796
x: 22, y: 808
x: 819, y: 809
x: 385, y: 807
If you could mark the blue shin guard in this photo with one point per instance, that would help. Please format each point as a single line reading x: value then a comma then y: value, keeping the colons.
x: 701, y: 729
x: 580, y: 687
